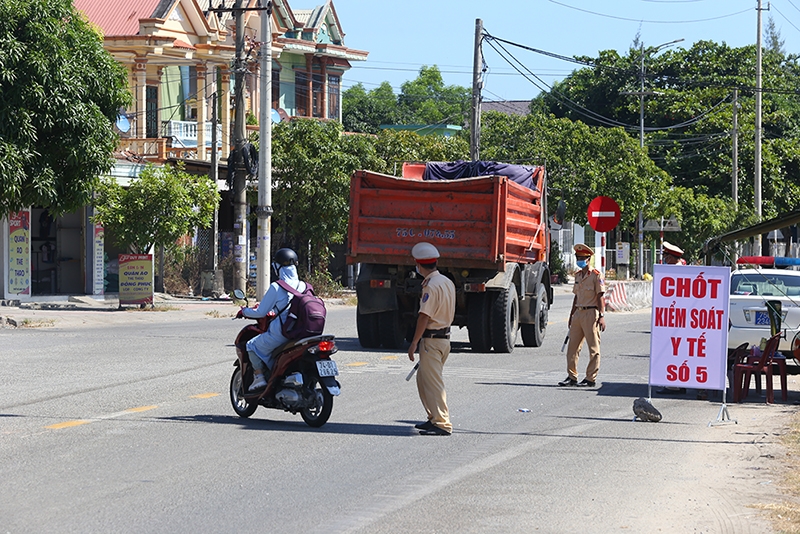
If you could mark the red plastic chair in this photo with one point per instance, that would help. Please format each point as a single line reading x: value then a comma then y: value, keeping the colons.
x: 742, y: 372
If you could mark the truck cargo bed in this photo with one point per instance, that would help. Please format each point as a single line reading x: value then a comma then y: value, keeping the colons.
x: 481, y: 222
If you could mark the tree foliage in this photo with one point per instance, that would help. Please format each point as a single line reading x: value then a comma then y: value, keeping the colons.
x: 312, y: 164
x: 60, y: 93
x: 688, y: 115
x: 582, y: 162
x: 156, y: 209
x: 424, y: 100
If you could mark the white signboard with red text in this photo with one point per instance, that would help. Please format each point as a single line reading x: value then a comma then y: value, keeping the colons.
x: 689, y: 326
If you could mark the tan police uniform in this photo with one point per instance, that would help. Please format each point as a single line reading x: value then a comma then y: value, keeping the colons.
x: 588, y: 290
x: 438, y: 302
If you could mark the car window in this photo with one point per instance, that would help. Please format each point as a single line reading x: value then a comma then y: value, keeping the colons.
x: 771, y: 284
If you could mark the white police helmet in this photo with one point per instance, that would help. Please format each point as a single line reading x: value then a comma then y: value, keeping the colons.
x: 424, y: 253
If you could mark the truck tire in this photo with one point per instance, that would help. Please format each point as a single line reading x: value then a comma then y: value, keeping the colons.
x: 390, y: 329
x: 480, y: 335
x: 505, y: 320
x: 367, y: 326
x: 533, y: 334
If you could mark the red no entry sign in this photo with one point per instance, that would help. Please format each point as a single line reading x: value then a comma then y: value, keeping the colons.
x: 603, y: 214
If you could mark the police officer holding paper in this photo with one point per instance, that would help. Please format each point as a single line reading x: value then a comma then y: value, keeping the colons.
x: 437, y: 309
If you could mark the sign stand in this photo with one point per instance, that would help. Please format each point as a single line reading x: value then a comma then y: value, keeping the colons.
x: 723, y: 416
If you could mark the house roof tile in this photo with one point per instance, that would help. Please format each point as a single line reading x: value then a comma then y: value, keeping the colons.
x: 120, y: 17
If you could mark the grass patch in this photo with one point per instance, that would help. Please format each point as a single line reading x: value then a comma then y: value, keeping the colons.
x: 216, y: 314
x: 351, y: 300
x: 36, y: 323
x: 786, y: 515
x: 157, y: 308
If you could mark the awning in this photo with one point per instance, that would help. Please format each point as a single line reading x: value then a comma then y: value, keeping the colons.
x: 783, y: 221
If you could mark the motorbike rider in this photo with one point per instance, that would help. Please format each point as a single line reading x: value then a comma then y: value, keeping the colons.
x: 260, y: 348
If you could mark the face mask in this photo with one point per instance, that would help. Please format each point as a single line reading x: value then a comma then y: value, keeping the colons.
x: 581, y: 263
x: 417, y: 269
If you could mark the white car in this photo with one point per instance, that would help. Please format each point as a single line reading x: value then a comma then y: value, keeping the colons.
x: 750, y: 290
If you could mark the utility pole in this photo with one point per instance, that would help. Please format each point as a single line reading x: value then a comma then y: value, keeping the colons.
x: 641, y: 94
x: 735, y: 143
x: 477, y: 86
x: 240, y: 248
x: 757, y: 162
x: 264, y: 210
x: 735, y: 172
x: 213, y: 259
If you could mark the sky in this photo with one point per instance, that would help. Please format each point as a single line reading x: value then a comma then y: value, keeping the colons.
x: 403, y: 36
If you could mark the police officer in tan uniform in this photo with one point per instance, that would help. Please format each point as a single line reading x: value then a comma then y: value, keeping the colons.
x: 585, y: 319
x: 437, y: 310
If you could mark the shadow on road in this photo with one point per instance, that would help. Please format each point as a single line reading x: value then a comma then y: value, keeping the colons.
x: 359, y: 429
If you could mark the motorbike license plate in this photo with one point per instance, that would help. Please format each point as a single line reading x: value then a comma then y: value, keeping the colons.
x: 762, y: 318
x: 327, y: 368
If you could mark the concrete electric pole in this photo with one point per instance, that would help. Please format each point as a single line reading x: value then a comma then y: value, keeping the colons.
x: 757, y: 155
x: 264, y: 210
x: 477, y: 86
x: 240, y: 248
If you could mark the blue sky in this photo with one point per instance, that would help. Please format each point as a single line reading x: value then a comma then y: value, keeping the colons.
x: 403, y: 36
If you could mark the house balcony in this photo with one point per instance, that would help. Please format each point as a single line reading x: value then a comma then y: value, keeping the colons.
x: 179, y: 140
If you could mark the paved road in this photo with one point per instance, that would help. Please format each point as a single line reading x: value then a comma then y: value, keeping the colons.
x: 120, y: 421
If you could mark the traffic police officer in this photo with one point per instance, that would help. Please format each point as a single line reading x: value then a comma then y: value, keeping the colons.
x: 585, y: 319
x: 437, y: 310
x: 673, y: 255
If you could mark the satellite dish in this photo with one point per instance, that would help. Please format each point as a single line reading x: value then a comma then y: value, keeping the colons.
x: 276, y: 117
x: 123, y: 124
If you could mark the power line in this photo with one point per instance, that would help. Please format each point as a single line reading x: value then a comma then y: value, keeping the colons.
x: 648, y: 21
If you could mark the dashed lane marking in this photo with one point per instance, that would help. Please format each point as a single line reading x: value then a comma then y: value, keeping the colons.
x: 67, y: 424
x: 139, y: 409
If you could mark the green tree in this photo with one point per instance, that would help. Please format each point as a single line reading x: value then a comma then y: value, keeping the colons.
x: 688, y: 121
x: 582, y: 162
x: 427, y: 100
x: 364, y: 112
x: 312, y: 164
x: 424, y: 100
x: 157, y: 209
x: 396, y: 147
x: 60, y: 93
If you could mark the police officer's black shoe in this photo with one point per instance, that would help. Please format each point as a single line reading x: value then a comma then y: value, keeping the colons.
x: 434, y: 431
x: 427, y: 425
x: 568, y: 382
x: 586, y: 383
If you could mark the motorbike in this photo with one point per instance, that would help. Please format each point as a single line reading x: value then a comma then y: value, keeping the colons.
x: 303, y: 378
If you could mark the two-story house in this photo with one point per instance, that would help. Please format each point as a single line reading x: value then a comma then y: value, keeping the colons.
x: 178, y: 54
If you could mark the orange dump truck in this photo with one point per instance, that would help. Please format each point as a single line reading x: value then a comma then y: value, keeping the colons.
x: 492, y: 236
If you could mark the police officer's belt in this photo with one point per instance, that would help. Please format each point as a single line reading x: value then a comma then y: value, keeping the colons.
x: 587, y: 307
x: 443, y: 333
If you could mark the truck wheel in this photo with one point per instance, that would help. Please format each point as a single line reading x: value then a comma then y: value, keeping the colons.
x: 533, y: 334
x: 367, y: 326
x: 505, y: 320
x: 478, y: 322
x: 390, y: 329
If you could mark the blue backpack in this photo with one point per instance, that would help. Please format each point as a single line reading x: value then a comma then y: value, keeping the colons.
x: 306, y: 313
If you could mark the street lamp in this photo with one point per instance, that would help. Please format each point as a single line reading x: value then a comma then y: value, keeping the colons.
x: 641, y: 93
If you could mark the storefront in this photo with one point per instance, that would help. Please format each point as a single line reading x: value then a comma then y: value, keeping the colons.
x: 52, y: 256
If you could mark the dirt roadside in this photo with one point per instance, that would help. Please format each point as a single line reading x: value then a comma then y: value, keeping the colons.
x: 750, y: 482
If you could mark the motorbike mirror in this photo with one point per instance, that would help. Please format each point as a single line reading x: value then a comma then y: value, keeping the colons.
x: 239, y: 294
